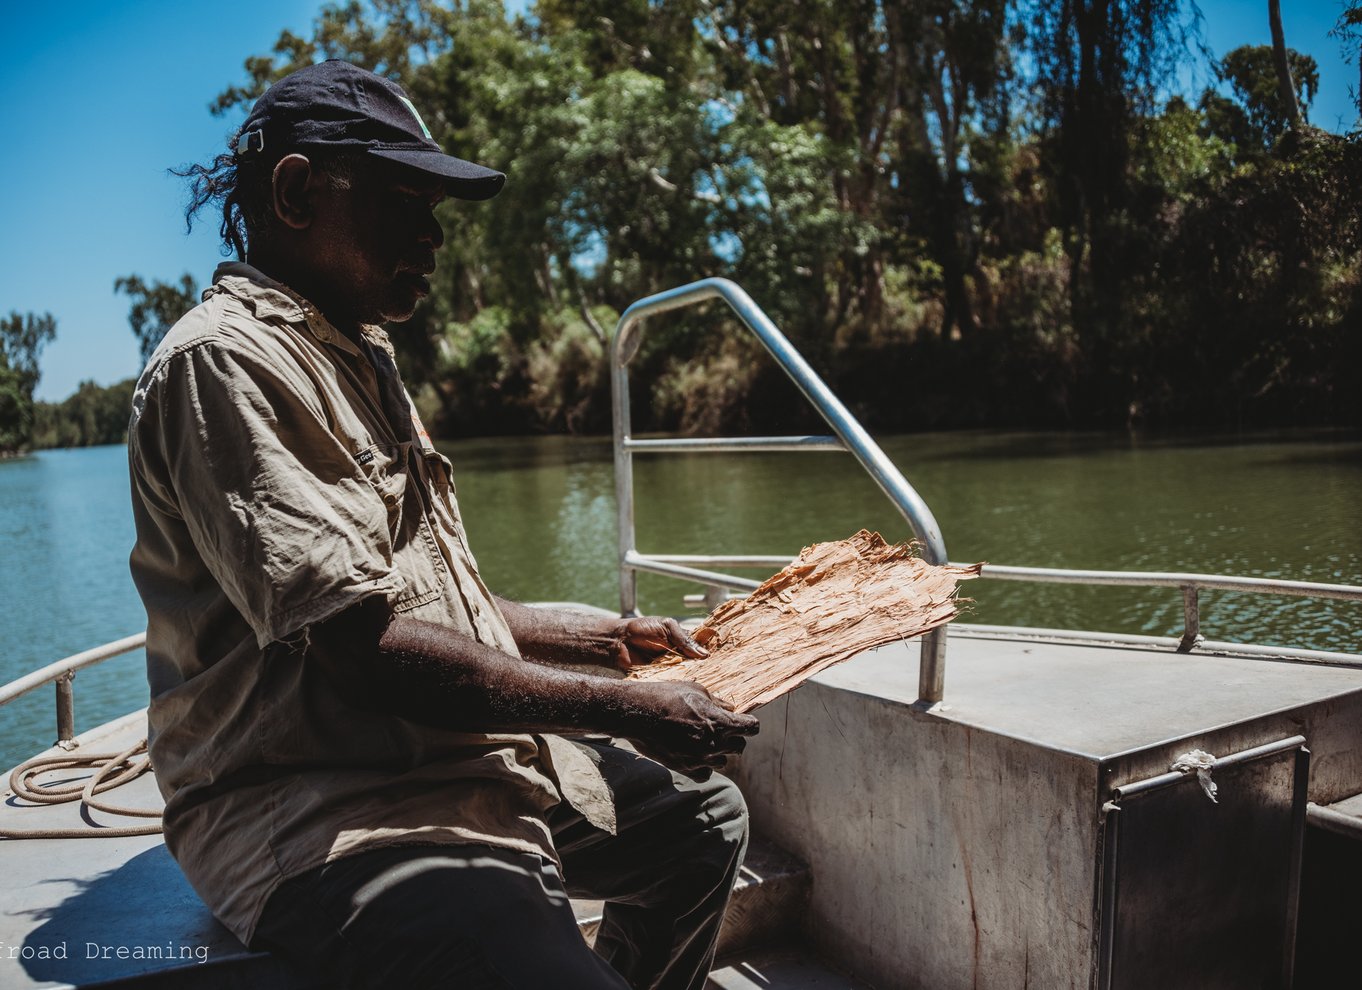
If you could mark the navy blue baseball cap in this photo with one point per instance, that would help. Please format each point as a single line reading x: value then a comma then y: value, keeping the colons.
x: 335, y: 104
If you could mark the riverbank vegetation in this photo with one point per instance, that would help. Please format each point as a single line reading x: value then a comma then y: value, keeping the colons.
x: 90, y: 416
x: 985, y: 213
x: 989, y: 213
x: 22, y: 339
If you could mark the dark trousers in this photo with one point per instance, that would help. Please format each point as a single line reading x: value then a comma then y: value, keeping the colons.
x: 471, y: 917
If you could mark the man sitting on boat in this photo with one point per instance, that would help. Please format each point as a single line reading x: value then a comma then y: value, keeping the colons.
x: 360, y: 762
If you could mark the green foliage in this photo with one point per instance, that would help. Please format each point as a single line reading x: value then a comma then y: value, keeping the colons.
x: 1270, y: 266
x: 569, y: 382
x: 709, y: 395
x: 92, y: 415
x: 16, y: 410
x: 156, y: 307
x: 983, y: 198
x: 1255, y: 118
x: 22, y: 339
x: 1174, y: 156
x: 479, y: 377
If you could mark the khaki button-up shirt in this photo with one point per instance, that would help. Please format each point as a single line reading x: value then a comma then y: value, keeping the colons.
x: 280, y: 476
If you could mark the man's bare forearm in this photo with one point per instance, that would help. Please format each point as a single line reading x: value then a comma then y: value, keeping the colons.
x: 437, y: 676
x: 555, y: 635
x: 562, y: 636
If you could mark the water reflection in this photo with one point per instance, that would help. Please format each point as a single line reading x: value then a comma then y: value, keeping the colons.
x: 1267, y: 506
x: 65, y: 534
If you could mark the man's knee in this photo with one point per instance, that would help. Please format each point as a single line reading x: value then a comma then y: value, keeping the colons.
x: 724, y: 814
x: 727, y: 807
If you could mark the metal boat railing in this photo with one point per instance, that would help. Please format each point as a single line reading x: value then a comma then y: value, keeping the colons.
x: 848, y: 435
x: 1189, y: 583
x: 851, y: 437
x: 63, y: 674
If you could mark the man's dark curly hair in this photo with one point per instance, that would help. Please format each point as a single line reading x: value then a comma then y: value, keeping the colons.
x: 243, y: 187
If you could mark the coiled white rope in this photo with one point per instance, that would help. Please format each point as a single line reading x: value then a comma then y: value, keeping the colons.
x: 111, y: 770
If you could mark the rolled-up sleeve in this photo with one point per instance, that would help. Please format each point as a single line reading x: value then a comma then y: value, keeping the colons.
x: 277, y: 507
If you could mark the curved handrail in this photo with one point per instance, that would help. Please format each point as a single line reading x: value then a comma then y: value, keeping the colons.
x: 62, y: 673
x: 68, y: 666
x: 628, y: 335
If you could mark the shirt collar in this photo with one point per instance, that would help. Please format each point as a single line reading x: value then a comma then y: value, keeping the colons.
x: 275, y: 302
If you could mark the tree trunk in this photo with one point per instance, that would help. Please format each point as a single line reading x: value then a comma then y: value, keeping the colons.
x: 1285, y: 84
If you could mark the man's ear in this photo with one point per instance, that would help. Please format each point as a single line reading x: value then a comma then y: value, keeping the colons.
x: 294, y: 183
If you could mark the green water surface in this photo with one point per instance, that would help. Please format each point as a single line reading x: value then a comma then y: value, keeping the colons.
x: 540, y: 514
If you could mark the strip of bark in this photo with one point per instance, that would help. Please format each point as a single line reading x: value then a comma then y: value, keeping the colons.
x: 837, y: 600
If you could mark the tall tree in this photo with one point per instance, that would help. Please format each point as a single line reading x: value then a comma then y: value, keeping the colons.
x: 1099, y: 65
x: 952, y: 92
x: 156, y: 307
x: 1285, y: 87
x: 22, y: 339
x: 1256, y: 116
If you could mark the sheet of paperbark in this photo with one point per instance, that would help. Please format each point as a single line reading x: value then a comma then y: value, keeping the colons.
x: 837, y: 600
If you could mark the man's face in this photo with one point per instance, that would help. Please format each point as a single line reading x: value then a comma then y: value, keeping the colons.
x: 376, y: 243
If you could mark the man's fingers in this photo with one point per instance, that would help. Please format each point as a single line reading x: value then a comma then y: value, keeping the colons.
x: 732, y: 737
x: 738, y: 736
x: 653, y: 644
x: 747, y: 725
x: 682, y: 642
x: 654, y: 635
x: 694, y: 730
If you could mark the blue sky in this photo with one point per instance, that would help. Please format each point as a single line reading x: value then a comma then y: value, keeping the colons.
x: 98, y: 99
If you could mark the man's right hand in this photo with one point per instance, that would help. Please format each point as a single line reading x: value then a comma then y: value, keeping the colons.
x: 684, y: 727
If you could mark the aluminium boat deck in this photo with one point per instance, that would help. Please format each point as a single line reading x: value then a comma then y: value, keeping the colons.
x: 1033, y: 735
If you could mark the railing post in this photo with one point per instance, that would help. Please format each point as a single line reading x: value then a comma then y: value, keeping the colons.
x: 1191, y: 619
x: 931, y: 669
x: 66, y: 711
x: 624, y: 475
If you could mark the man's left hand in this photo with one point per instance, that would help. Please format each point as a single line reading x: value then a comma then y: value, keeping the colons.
x: 643, y: 640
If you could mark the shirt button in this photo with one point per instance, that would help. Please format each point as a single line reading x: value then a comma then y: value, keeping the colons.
x: 390, y: 499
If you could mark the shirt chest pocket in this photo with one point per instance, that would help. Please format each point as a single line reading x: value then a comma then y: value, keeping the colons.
x: 416, y: 555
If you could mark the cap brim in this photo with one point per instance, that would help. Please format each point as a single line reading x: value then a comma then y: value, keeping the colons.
x: 466, y: 180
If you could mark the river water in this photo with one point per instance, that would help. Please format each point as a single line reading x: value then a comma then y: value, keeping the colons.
x: 541, y: 518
